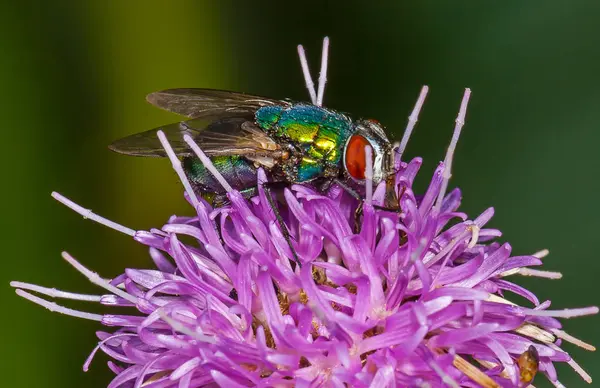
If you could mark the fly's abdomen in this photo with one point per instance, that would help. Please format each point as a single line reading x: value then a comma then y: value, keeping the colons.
x: 239, y: 172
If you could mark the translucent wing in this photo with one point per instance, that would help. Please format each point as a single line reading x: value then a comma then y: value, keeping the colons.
x: 196, y: 103
x: 216, y: 136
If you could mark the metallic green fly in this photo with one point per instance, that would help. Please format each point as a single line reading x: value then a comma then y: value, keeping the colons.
x: 293, y: 142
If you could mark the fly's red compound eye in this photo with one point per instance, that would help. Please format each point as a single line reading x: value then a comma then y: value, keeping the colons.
x: 355, y: 156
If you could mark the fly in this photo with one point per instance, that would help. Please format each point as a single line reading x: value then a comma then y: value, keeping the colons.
x: 292, y: 142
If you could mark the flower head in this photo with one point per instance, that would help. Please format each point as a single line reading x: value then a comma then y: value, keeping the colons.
x: 415, y: 298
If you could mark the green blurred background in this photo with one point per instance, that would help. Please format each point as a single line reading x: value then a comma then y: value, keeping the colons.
x: 74, y: 76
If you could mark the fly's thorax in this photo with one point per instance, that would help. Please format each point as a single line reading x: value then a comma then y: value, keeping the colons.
x: 367, y: 133
x: 268, y: 116
x: 317, y: 135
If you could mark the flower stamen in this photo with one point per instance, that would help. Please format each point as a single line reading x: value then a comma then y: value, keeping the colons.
x: 56, y: 308
x: 474, y: 373
x: 323, y: 73
x: 412, y: 121
x: 87, y: 213
x: 541, y: 254
x: 535, y: 332
x: 474, y: 236
x: 178, y: 168
x: 94, y: 278
x: 576, y: 367
x: 575, y: 341
x: 538, y: 273
x: 177, y: 326
x: 310, y: 85
x: 460, y: 122
x: 368, y: 175
x: 207, y: 163
x: 566, y: 313
x: 54, y: 293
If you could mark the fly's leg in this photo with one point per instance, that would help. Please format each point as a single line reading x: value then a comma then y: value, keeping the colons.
x: 326, y: 185
x: 359, y: 210
x: 387, y: 209
x: 268, y: 186
x: 218, y: 200
x: 358, y: 197
x: 358, y: 217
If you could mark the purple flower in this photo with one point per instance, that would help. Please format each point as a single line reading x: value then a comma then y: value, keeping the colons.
x: 415, y: 299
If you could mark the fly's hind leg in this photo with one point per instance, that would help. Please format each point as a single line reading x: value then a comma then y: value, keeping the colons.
x: 218, y: 200
x: 268, y: 187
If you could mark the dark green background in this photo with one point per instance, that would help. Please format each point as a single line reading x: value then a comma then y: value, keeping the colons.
x: 74, y: 76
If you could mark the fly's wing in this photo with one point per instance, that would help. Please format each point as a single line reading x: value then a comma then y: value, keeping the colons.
x: 196, y: 103
x: 222, y: 124
x: 235, y: 135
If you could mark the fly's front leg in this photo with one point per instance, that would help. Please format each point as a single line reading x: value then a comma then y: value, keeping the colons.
x: 324, y: 185
x: 358, y: 197
x: 348, y: 189
x: 358, y: 217
x: 268, y: 186
x: 359, y: 210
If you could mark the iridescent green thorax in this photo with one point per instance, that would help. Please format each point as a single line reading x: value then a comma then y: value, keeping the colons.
x: 320, y: 133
